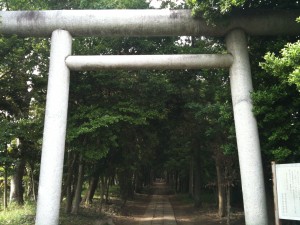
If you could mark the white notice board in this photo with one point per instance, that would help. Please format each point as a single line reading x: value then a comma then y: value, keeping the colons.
x: 288, y: 190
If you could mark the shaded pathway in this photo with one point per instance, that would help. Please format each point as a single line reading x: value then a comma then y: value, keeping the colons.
x: 159, y: 210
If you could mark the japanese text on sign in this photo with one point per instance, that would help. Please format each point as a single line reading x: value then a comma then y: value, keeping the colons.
x: 288, y: 190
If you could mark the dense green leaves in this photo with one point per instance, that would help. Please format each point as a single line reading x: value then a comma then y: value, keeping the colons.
x: 217, y: 10
x: 114, y: 4
x: 286, y: 66
x: 277, y: 102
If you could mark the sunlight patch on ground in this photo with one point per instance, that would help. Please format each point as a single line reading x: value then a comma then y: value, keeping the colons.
x: 184, y: 220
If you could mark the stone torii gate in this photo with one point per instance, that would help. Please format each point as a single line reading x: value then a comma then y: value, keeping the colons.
x: 63, y: 25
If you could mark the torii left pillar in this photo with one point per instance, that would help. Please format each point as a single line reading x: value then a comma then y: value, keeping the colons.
x: 50, y: 182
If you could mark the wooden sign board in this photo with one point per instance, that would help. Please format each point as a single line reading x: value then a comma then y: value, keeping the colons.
x: 288, y: 191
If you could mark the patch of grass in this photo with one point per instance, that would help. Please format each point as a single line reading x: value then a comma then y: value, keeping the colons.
x: 25, y: 215
x: 16, y: 215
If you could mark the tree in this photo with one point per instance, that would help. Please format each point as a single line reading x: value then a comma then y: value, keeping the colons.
x: 286, y: 66
x: 217, y: 10
x: 19, y: 76
x: 6, y: 161
x: 282, y: 97
x: 276, y: 104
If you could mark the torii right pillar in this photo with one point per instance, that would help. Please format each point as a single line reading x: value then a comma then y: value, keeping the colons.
x: 250, y: 161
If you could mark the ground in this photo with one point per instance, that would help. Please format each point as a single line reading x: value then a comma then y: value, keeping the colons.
x: 185, y: 213
x: 144, y: 209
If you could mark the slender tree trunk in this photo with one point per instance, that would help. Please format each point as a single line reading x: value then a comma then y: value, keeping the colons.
x: 221, y: 190
x: 16, y: 188
x: 138, y: 182
x: 126, y: 185
x: 176, y: 182
x: 5, y: 187
x: 197, y: 196
x: 33, y: 183
x: 191, y: 179
x: 228, y: 203
x: 102, y: 191
x: 77, y: 198
x: 5, y: 179
x: 151, y: 177
x: 170, y: 180
x: 107, y: 190
x: 92, y: 188
x: 31, y: 188
x: 69, y: 195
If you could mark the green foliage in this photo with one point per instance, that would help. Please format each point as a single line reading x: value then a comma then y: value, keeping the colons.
x: 114, y: 4
x: 276, y: 101
x: 281, y: 154
x: 208, y: 6
x: 286, y: 66
x: 23, y: 5
x: 217, y: 10
x: 277, y: 110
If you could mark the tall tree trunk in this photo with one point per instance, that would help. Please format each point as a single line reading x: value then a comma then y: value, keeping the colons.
x: 191, y: 179
x: 107, y: 190
x: 5, y: 179
x: 176, y: 177
x: 102, y: 191
x: 33, y: 183
x: 16, y: 187
x: 228, y: 203
x: 198, y: 168
x: 92, y: 188
x: 5, y: 187
x: 77, y: 198
x: 126, y: 185
x: 69, y: 195
x: 151, y: 177
x: 221, y: 190
x: 197, y: 196
x: 138, y: 182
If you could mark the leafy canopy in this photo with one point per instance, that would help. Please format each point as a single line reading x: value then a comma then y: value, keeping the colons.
x: 213, y: 10
x: 287, y: 65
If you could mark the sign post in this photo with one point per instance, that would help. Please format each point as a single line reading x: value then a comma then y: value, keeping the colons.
x: 277, y: 220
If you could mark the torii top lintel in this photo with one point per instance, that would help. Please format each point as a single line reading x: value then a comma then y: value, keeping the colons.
x: 151, y: 22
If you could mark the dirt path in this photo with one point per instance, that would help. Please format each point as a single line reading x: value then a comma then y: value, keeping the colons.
x: 134, y: 211
x: 159, y: 212
x: 160, y: 208
x: 186, y: 214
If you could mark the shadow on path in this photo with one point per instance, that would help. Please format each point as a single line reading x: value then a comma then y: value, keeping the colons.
x: 159, y: 210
